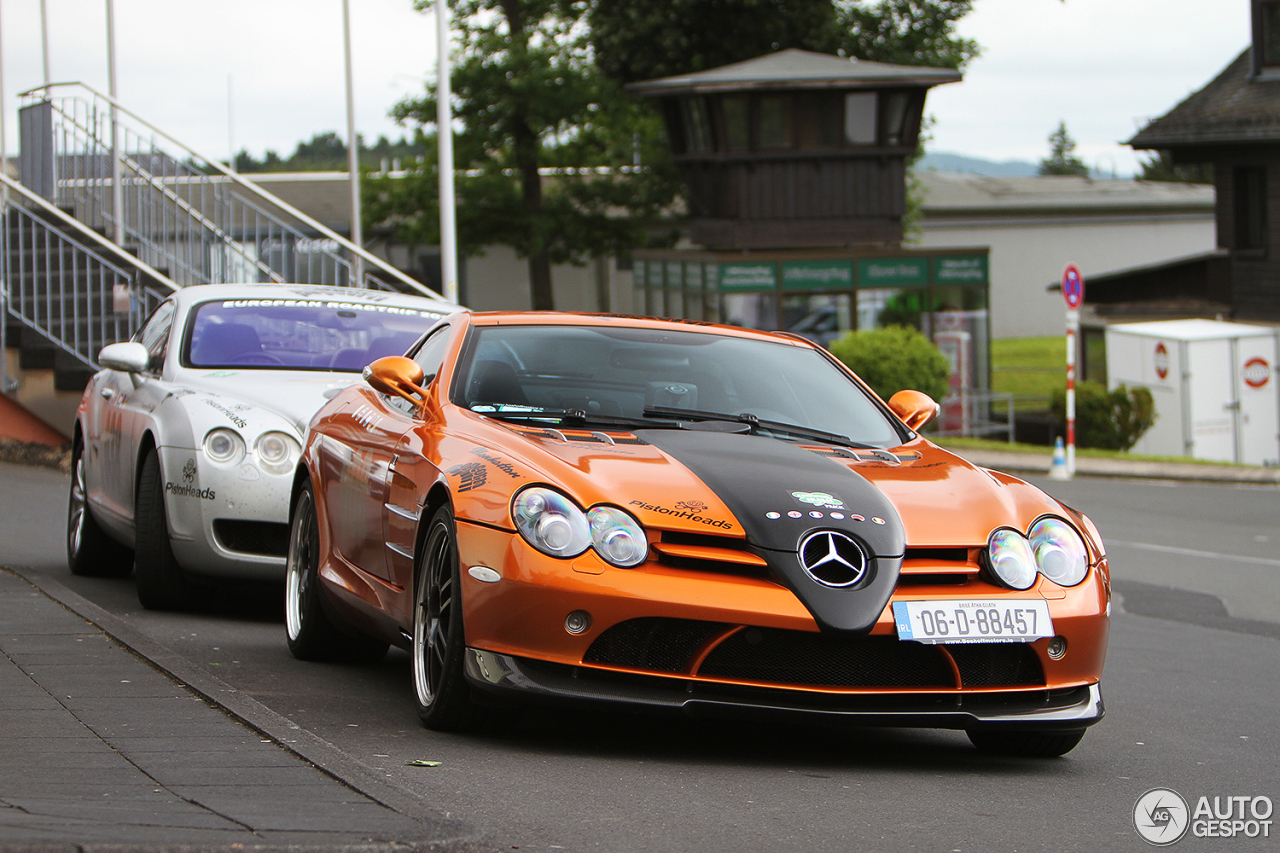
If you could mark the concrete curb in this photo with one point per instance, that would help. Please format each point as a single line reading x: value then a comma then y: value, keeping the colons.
x: 338, y: 764
x: 1034, y: 463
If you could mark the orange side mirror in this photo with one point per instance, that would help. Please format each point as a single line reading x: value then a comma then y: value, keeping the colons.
x: 397, y: 375
x: 915, y: 408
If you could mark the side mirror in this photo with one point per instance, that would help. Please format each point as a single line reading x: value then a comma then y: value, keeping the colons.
x: 397, y: 376
x: 914, y: 408
x: 129, y: 356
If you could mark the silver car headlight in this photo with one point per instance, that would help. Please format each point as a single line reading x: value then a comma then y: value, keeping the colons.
x: 1010, y: 557
x: 277, y: 452
x: 551, y: 522
x: 617, y: 537
x: 1059, y: 551
x: 224, y: 446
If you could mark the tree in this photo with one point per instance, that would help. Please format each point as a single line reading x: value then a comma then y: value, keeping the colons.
x: 1160, y: 166
x: 538, y: 84
x: 527, y: 96
x: 638, y: 40
x: 1061, y: 160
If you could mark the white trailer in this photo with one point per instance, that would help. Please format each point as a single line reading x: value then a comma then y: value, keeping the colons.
x: 1214, y: 386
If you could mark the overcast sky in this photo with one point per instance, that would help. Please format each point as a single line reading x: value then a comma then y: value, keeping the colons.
x: 1103, y: 66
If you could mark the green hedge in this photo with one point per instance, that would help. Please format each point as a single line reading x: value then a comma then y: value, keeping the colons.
x: 894, y: 358
x: 1111, y: 420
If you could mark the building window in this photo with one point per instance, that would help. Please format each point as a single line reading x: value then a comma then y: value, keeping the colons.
x: 860, y: 118
x: 1250, y: 191
x: 1270, y: 34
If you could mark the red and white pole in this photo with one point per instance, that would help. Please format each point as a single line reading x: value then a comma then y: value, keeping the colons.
x: 1073, y: 294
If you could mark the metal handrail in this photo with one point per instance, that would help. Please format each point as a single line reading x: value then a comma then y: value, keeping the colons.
x: 246, y: 184
x: 88, y: 233
x: 77, y: 289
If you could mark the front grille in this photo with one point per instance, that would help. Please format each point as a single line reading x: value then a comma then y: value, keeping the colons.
x: 997, y: 664
x: 777, y: 656
x: 655, y: 643
x: 268, y: 538
x: 798, y: 657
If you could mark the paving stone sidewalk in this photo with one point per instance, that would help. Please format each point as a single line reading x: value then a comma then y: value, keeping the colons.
x: 99, y: 750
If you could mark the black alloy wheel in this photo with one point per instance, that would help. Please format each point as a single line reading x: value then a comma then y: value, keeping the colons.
x: 1025, y: 744
x: 162, y: 585
x: 90, y: 551
x: 441, y: 689
x: 309, y: 629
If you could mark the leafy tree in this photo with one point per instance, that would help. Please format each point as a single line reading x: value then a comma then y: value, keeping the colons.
x: 638, y: 40
x: 1160, y: 166
x: 528, y: 96
x: 1061, y: 159
x: 328, y: 152
x: 894, y: 358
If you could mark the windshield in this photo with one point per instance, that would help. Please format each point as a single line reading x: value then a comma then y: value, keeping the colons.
x: 651, y: 375
x: 300, y: 334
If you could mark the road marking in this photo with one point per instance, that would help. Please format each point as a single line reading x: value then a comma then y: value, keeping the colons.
x: 1146, y: 546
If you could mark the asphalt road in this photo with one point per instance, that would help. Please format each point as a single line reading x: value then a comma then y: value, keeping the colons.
x: 1190, y: 685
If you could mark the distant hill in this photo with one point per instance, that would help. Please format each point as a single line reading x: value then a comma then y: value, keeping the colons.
x: 941, y: 162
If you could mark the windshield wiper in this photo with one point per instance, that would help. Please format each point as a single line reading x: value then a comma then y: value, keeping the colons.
x: 754, y: 422
x: 512, y: 412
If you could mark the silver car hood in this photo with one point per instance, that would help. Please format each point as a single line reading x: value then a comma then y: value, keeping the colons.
x: 294, y: 395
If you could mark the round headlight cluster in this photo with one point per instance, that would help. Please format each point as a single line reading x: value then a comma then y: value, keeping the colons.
x: 277, y: 452
x: 224, y: 446
x: 556, y: 526
x: 1051, y: 547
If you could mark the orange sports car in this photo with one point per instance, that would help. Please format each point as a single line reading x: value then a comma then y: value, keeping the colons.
x: 683, y: 517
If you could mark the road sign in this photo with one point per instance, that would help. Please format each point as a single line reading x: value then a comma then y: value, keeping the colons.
x: 1072, y: 286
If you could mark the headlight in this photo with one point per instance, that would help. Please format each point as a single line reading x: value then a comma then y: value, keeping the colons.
x: 617, y: 537
x: 551, y: 522
x: 224, y: 446
x: 1009, y: 555
x: 1059, y: 551
x: 277, y: 452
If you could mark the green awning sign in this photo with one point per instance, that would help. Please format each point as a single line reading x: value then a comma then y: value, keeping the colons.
x: 960, y: 269
x: 893, y: 272
x: 817, y: 275
x: 740, y: 277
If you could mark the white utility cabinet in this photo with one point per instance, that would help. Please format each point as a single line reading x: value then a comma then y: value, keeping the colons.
x: 1214, y: 386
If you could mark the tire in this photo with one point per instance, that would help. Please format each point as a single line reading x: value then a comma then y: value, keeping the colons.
x: 440, y: 688
x: 90, y: 551
x: 1025, y: 744
x: 311, y: 633
x: 161, y: 582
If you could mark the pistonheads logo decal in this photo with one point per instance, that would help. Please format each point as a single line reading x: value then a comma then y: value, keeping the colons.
x: 230, y: 413
x: 691, y: 506
x: 189, y: 472
x: 684, y: 513
x: 184, y: 490
x: 821, y: 499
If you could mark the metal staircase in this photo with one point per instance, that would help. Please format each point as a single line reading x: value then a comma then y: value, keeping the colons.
x: 112, y: 213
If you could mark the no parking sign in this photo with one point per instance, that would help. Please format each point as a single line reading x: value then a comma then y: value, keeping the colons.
x: 1072, y: 286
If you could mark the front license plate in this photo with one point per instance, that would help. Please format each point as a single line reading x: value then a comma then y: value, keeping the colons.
x: 972, y: 621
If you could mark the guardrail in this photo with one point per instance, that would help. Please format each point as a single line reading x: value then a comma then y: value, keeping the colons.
x: 972, y: 413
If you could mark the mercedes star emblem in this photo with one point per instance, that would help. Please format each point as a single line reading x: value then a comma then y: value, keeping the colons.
x: 833, y: 559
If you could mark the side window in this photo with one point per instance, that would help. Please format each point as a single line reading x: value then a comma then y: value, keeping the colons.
x: 429, y: 357
x: 431, y: 354
x: 154, y: 335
